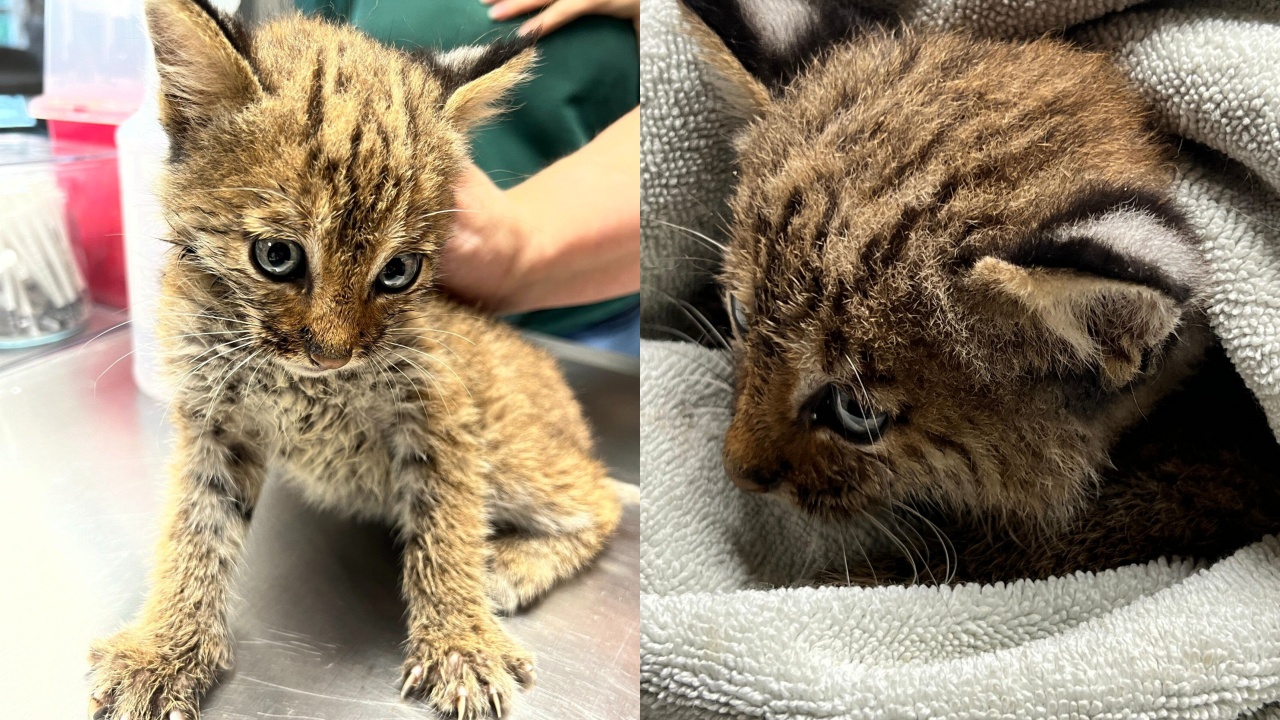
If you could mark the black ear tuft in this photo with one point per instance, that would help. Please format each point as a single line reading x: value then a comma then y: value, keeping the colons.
x: 475, y: 78
x: 457, y: 67
x: 773, y: 40
x: 232, y: 29
x: 1130, y: 235
x: 1103, y: 199
x: 1086, y: 255
x: 1126, y: 234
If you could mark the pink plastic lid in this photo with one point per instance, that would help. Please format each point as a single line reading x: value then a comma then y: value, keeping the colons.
x: 46, y: 107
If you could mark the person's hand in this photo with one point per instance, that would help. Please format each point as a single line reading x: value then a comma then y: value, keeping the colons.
x: 569, y: 235
x: 483, y: 259
x: 556, y: 13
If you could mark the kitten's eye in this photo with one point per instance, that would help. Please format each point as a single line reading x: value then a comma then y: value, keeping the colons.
x: 836, y: 409
x: 399, y: 272
x: 738, y: 315
x: 279, y: 259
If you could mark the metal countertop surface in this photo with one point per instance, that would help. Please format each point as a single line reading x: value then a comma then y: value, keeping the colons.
x: 318, y: 619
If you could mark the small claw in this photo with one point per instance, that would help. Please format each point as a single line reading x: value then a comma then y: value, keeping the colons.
x: 497, y: 702
x: 412, y: 681
x: 462, y: 702
x: 525, y: 675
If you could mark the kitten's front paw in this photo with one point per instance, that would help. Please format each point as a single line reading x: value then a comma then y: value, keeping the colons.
x: 134, y: 678
x: 469, y: 677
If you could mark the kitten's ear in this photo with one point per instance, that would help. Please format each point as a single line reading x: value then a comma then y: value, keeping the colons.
x: 757, y: 47
x: 1110, y: 286
x: 202, y: 57
x: 476, y: 77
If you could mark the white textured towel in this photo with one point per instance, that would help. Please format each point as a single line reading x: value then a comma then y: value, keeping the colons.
x: 1160, y: 640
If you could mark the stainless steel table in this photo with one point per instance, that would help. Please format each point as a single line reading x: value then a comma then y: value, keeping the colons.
x: 318, y: 620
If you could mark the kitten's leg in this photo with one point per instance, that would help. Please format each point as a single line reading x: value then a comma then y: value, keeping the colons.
x: 558, y: 533
x: 460, y: 660
x: 163, y: 662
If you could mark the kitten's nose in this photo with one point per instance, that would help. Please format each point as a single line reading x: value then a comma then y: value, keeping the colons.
x: 327, y: 358
x: 330, y: 363
x: 749, y: 479
x: 743, y: 462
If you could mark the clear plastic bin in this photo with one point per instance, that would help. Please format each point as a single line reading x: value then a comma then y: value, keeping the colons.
x: 42, y: 291
x: 94, y: 53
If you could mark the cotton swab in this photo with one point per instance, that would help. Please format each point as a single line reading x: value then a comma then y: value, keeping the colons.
x: 41, y: 289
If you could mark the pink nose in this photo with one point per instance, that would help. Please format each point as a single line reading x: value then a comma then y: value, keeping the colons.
x: 749, y: 486
x: 747, y: 480
x: 329, y: 362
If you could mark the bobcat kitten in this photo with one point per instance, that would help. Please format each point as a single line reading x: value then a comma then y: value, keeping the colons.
x: 309, y: 191
x: 963, y: 301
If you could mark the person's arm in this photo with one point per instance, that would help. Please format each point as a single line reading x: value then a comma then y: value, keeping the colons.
x: 556, y: 13
x: 569, y: 235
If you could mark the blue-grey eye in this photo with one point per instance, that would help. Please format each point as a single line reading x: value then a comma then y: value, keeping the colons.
x: 399, y: 272
x: 737, y: 315
x: 279, y: 259
x: 835, y: 409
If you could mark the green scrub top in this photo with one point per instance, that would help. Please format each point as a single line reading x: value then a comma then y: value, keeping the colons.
x: 588, y: 76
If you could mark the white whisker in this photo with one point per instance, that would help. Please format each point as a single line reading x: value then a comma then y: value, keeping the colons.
x: 217, y: 392
x: 719, y: 246
x: 915, y: 570
x: 433, y: 357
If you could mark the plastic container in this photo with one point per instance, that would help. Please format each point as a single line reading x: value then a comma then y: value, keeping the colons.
x: 94, y: 54
x: 93, y: 81
x: 42, y: 296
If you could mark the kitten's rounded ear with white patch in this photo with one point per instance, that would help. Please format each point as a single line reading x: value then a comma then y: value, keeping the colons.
x: 1110, y: 286
x: 475, y: 78
x: 203, y: 60
x: 756, y: 47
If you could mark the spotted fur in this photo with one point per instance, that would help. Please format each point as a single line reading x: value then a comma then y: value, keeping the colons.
x: 441, y: 421
x: 975, y: 238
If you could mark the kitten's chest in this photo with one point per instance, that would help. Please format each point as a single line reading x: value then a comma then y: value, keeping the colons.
x: 333, y: 446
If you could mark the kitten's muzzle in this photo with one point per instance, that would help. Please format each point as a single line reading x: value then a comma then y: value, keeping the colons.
x: 743, y: 463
